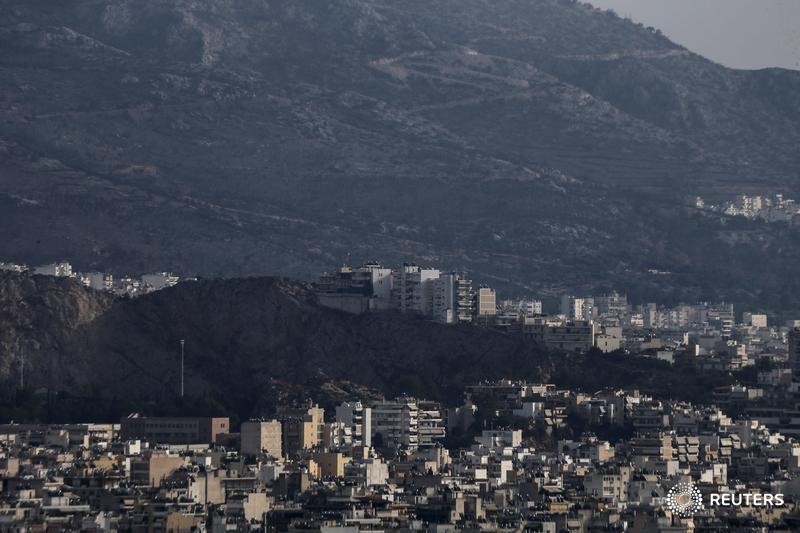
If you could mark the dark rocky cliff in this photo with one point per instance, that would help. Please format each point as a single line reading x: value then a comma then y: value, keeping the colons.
x: 38, y: 317
x: 246, y: 340
x: 253, y: 343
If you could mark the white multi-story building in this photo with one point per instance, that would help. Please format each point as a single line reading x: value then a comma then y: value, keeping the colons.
x: 381, y: 280
x: 413, y: 289
x: 500, y: 438
x: 356, y: 290
x: 452, y: 298
x: 395, y: 423
x: 358, y: 419
x: 13, y: 267
x: 431, y: 425
x: 650, y: 315
x: 99, y: 281
x: 530, y: 307
x: 589, y: 310
x: 160, y: 280
x: 444, y: 299
x: 572, y: 307
x: 63, y: 270
x: 612, y: 304
x: 408, y: 422
x: 369, y: 472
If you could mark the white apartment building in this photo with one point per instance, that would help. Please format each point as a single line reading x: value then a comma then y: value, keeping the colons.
x: 413, y: 289
x: 12, y: 267
x: 160, y: 280
x: 99, y: 281
x: 500, y: 438
x: 381, y: 279
x: 572, y: 307
x: 395, y: 423
x: 452, y: 298
x: 358, y: 419
x: 431, y: 425
x: 63, y: 270
x: 530, y: 307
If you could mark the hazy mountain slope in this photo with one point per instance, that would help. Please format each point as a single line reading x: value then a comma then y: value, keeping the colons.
x: 539, y: 144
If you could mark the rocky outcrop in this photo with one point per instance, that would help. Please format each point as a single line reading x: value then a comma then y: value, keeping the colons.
x: 247, y: 342
x: 254, y: 343
x: 38, y: 317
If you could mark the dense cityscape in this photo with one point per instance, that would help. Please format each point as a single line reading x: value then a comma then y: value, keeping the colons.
x: 429, y: 266
x: 513, y: 462
x: 513, y: 456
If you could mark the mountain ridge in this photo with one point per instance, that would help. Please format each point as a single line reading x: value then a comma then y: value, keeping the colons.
x: 510, y: 139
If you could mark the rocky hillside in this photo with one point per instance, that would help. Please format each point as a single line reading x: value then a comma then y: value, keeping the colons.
x: 254, y: 343
x: 247, y: 342
x: 38, y: 316
x: 543, y: 145
x: 242, y: 335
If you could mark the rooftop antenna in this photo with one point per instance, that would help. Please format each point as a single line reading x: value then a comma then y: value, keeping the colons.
x: 183, y: 342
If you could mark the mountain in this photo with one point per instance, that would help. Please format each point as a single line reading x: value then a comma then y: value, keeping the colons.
x: 252, y: 344
x: 542, y: 145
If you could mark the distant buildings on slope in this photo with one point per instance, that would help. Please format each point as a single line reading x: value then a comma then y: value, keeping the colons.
x: 709, y: 331
x: 775, y: 208
x: 446, y: 297
x: 101, y: 281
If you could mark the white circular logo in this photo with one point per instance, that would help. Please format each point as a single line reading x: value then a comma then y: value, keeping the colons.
x: 684, y: 499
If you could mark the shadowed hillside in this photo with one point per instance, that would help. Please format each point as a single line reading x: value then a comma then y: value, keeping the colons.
x: 254, y: 343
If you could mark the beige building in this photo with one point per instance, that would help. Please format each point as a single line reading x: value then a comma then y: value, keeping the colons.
x: 251, y: 506
x: 331, y: 464
x: 611, y: 484
x: 180, y: 523
x: 154, y: 468
x: 486, y: 299
x: 261, y: 436
x: 303, y: 428
x: 208, y: 487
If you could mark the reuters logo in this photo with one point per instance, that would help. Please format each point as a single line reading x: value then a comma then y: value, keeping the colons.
x: 684, y: 499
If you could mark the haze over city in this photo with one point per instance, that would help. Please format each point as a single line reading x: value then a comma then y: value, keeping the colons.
x: 748, y: 34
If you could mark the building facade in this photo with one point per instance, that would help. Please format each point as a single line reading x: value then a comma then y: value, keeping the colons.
x: 177, y: 430
x: 262, y: 436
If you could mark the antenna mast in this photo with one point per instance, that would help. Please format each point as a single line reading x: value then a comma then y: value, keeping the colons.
x: 21, y: 359
x: 182, y: 344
